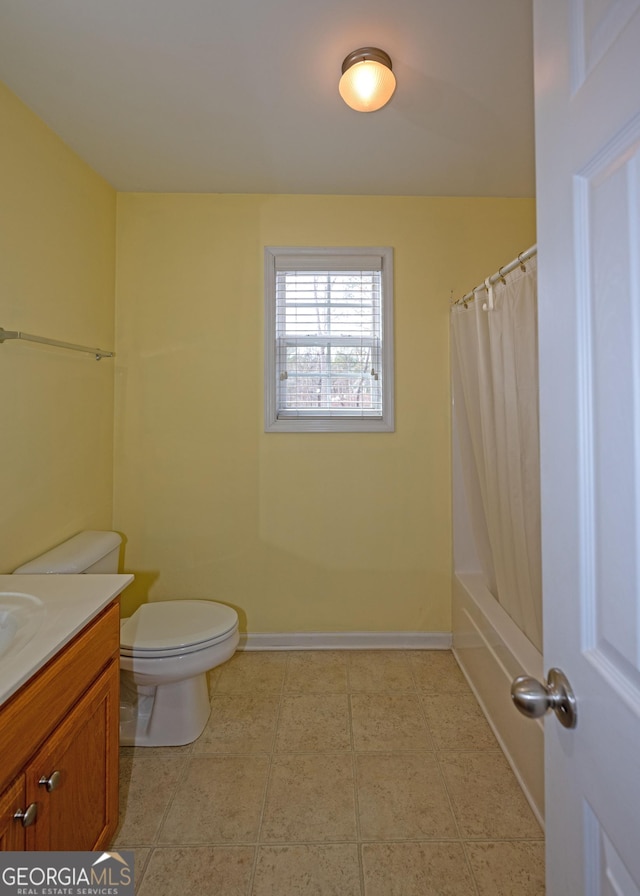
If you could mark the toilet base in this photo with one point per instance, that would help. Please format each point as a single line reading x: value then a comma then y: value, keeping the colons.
x: 167, y: 715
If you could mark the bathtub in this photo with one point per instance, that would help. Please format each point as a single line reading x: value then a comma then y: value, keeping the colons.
x: 492, y: 651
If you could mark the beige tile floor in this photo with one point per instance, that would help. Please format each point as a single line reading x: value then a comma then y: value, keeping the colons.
x: 332, y: 773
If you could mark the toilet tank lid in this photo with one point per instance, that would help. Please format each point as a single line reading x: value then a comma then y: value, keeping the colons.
x: 74, y: 555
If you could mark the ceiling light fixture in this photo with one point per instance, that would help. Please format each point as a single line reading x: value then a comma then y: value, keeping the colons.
x: 367, y: 81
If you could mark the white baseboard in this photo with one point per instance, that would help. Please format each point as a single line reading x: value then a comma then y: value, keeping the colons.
x: 345, y: 641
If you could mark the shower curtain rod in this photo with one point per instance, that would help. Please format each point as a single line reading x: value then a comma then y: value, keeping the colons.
x: 99, y: 353
x: 518, y: 262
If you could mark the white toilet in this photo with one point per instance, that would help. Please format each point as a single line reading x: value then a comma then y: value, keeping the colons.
x: 166, y: 648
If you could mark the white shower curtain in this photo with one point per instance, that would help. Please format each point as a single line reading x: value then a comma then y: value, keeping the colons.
x: 495, y: 382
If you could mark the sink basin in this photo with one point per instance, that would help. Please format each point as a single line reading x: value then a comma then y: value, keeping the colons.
x: 21, y: 616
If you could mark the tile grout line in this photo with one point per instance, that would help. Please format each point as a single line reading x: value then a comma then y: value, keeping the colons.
x: 465, y: 853
x: 446, y: 789
x: 267, y: 780
x: 440, y: 772
x: 354, y: 766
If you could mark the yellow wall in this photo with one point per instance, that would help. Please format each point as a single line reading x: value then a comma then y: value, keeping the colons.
x: 300, y: 532
x: 57, y: 260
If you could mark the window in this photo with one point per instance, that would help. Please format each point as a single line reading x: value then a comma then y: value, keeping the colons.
x: 328, y: 340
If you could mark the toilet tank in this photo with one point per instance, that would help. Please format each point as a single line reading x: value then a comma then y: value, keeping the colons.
x: 86, y: 552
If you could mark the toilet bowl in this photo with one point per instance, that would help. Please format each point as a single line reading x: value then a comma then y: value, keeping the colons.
x: 166, y: 648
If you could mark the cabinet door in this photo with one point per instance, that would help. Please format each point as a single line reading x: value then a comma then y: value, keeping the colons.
x: 12, y: 833
x: 74, y: 776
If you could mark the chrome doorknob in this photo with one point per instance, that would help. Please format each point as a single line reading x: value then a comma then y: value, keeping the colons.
x: 533, y: 699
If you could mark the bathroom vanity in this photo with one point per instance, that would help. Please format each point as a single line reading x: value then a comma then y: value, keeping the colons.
x: 59, y: 716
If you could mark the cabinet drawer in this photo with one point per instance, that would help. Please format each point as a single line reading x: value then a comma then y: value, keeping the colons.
x: 30, y: 715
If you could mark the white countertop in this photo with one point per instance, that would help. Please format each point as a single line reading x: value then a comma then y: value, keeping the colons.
x: 64, y: 605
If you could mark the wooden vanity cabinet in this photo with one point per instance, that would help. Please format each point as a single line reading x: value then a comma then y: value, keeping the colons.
x: 59, y: 747
x: 12, y: 802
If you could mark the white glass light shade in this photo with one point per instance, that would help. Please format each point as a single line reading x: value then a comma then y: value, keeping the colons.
x: 367, y: 83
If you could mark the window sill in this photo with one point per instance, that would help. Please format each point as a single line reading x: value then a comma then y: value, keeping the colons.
x: 305, y: 424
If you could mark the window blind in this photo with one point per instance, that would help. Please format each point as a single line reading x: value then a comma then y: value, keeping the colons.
x: 329, y: 332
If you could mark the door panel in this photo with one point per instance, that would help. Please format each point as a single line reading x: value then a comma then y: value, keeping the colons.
x: 587, y: 57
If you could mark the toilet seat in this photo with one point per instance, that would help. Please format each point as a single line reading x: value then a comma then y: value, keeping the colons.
x: 175, y: 627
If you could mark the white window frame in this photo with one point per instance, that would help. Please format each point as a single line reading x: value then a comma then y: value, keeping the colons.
x: 309, y: 422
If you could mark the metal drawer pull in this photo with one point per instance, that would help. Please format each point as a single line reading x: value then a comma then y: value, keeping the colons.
x: 52, y: 782
x: 28, y: 816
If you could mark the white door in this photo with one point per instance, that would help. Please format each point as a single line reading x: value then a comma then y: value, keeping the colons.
x: 587, y: 74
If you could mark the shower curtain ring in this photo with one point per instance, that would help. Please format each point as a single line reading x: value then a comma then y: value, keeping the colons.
x: 488, y: 306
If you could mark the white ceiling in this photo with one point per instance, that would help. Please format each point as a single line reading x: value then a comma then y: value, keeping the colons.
x: 241, y: 96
